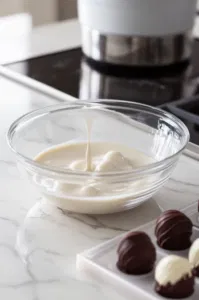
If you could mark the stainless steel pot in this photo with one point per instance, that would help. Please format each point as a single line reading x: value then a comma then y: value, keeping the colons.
x: 137, y: 32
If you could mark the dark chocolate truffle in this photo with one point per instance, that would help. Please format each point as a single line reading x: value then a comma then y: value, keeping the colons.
x: 173, y: 230
x: 174, y: 278
x: 136, y: 254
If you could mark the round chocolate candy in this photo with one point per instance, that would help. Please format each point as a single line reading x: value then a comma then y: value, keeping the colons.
x: 136, y: 254
x: 173, y: 230
x: 174, y: 278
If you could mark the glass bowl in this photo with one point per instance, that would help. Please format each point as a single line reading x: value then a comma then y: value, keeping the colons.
x: 151, y: 131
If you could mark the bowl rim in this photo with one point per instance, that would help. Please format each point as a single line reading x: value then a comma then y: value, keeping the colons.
x: 100, y: 103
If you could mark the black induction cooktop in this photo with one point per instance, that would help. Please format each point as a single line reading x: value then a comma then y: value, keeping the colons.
x: 174, y: 88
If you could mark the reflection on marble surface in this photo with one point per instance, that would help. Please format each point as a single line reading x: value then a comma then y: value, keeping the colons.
x: 49, y: 239
x: 45, y: 222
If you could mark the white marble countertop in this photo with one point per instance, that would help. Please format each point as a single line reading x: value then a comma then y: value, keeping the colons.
x: 38, y: 243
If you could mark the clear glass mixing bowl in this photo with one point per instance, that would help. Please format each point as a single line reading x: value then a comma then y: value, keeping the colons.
x: 150, y: 130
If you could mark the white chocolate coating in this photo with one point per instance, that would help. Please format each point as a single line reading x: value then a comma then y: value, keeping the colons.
x: 171, y: 269
x: 100, y: 192
x: 194, y: 254
x: 113, y: 161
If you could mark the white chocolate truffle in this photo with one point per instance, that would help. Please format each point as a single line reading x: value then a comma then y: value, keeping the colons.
x: 194, y: 254
x: 172, y: 269
x: 113, y: 161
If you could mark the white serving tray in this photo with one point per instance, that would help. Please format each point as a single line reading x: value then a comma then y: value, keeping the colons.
x: 99, y: 263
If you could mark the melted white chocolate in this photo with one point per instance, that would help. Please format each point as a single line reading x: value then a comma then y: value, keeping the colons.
x: 92, y: 193
x: 113, y: 161
x: 106, y: 157
x: 89, y: 122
